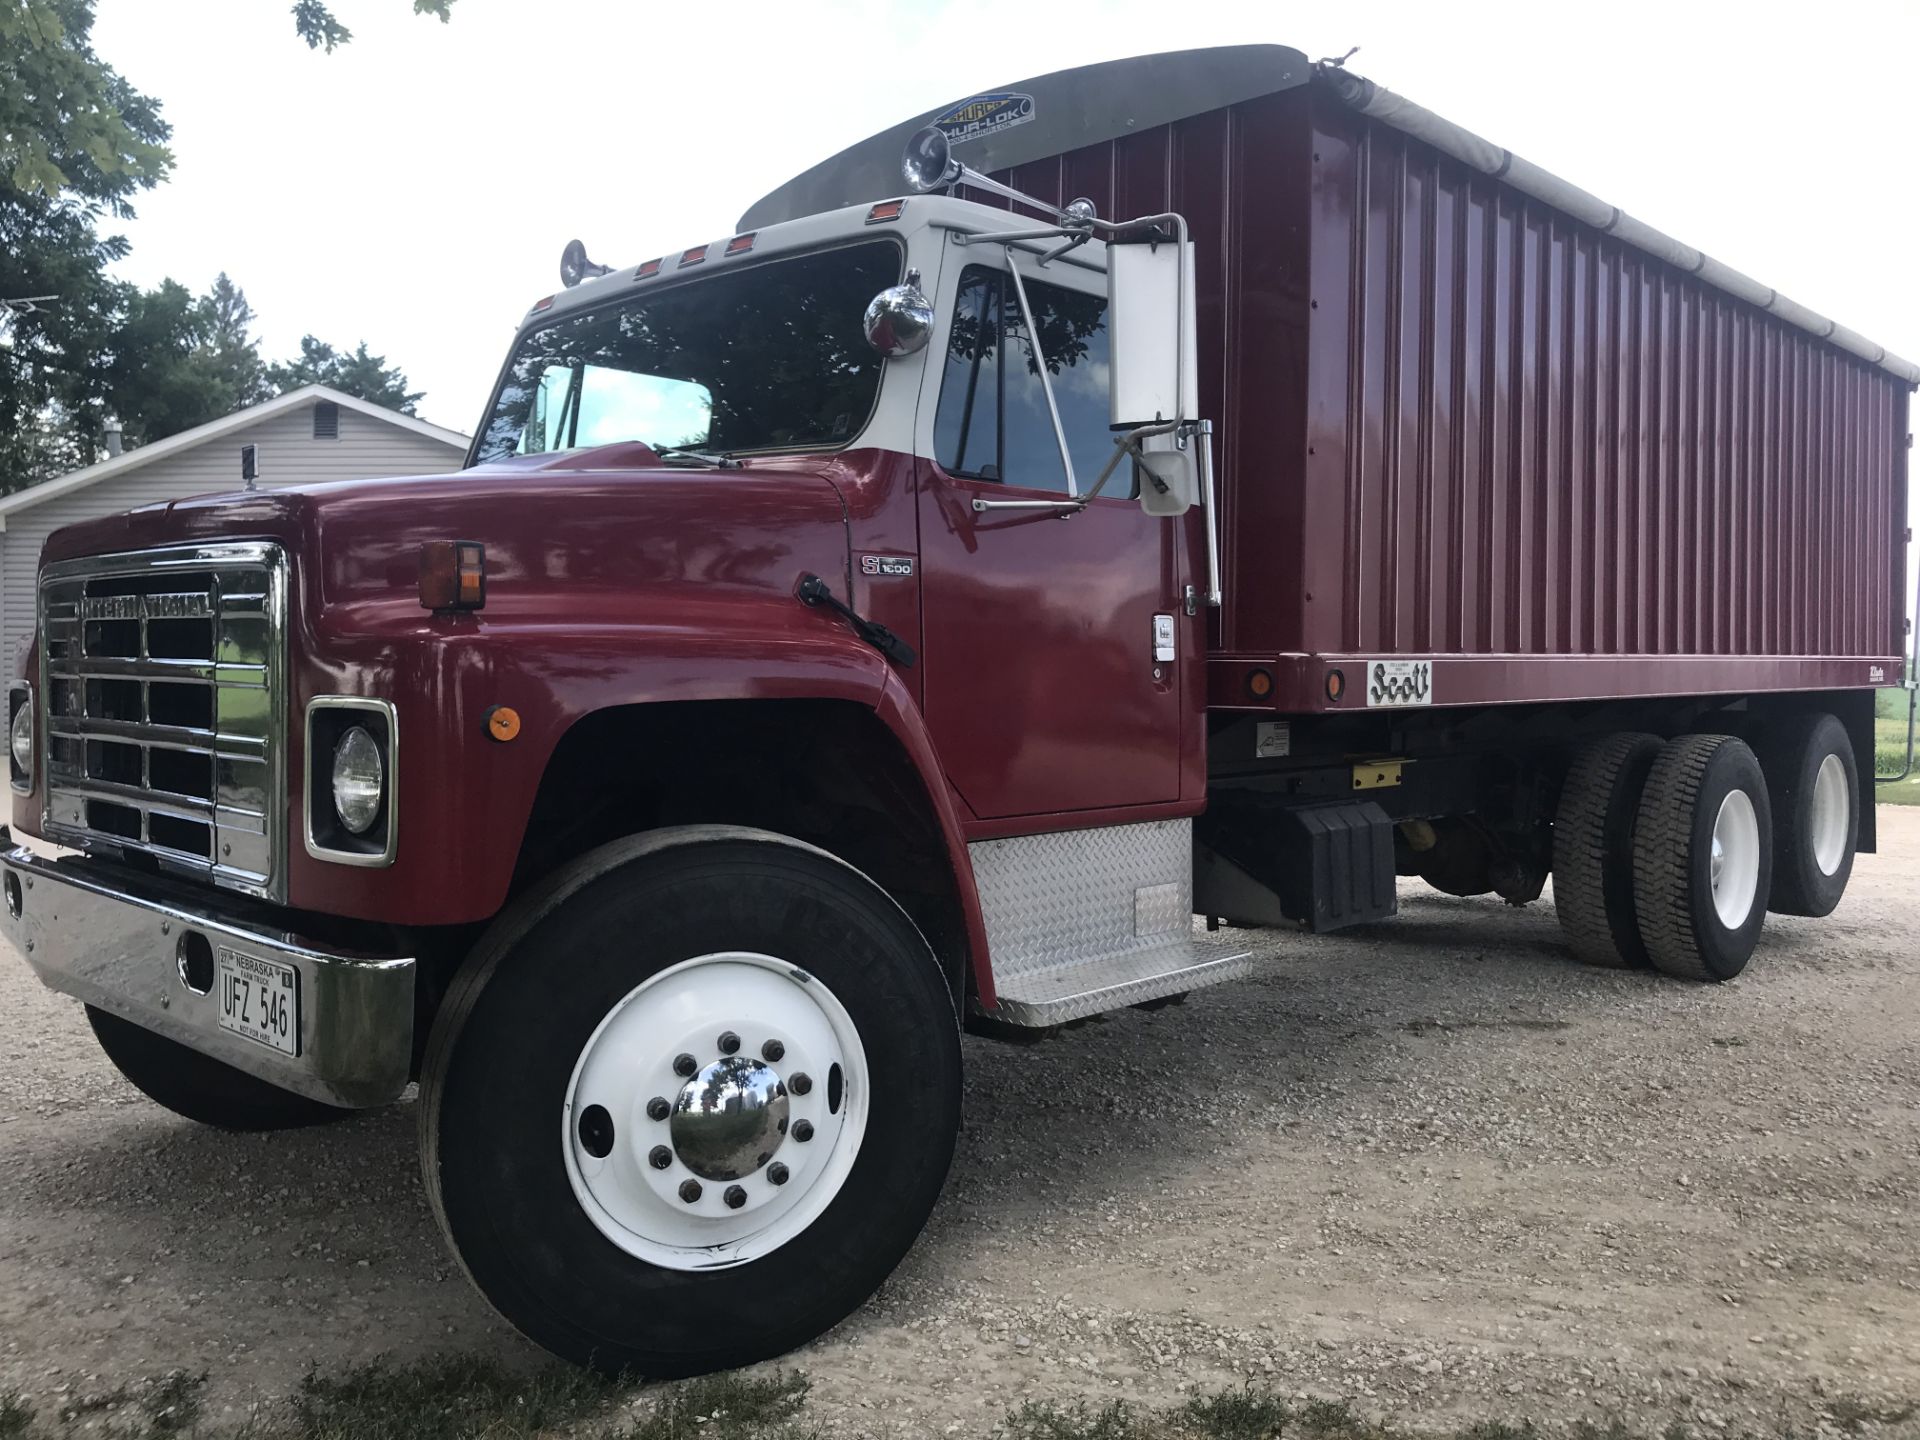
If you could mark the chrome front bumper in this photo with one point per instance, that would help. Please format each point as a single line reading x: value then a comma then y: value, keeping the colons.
x: 105, y: 939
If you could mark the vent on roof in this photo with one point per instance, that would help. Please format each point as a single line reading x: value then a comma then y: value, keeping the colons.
x: 326, y: 420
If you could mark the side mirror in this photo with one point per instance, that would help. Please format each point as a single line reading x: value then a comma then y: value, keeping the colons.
x: 899, y: 319
x: 1150, y: 319
x: 1169, y: 477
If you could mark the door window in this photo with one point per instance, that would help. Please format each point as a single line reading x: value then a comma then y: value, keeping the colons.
x: 992, y: 423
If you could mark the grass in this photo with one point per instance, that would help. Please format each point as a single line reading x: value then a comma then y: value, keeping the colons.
x: 1890, y: 749
x: 465, y: 1398
x: 452, y: 1398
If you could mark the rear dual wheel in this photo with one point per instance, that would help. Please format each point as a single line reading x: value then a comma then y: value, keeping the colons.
x: 1663, y: 854
x: 687, y: 1108
x: 1815, y: 785
x: 1703, y: 857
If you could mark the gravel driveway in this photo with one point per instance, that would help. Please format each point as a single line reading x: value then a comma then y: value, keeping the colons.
x: 1433, y: 1167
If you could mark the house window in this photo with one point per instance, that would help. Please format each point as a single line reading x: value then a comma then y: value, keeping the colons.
x: 326, y: 420
x: 993, y: 423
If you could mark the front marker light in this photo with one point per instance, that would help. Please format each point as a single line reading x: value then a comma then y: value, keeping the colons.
x: 359, y: 780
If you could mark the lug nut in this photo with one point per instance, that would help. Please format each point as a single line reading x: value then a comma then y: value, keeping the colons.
x: 803, y: 1130
x: 735, y: 1197
x: 777, y: 1174
x: 729, y: 1042
x: 660, y: 1157
x: 690, y: 1190
x: 685, y: 1065
x: 658, y: 1108
x: 801, y: 1083
x: 772, y: 1050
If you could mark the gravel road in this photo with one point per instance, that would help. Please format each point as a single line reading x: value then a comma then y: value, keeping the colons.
x: 1433, y: 1167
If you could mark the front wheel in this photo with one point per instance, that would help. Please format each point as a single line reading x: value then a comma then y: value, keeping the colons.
x: 691, y: 1103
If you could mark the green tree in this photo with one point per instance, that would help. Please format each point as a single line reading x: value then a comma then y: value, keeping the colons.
x: 314, y: 22
x: 76, y: 144
x: 359, y: 373
x: 178, y: 361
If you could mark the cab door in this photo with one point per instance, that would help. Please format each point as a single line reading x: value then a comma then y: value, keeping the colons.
x: 1044, y: 688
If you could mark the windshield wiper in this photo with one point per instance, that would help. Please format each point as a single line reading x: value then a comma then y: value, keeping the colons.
x: 696, y: 452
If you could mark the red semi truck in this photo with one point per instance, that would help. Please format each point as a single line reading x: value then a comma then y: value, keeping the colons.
x: 1200, y: 485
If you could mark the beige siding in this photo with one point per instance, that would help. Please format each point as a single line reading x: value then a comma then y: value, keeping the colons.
x: 289, y: 455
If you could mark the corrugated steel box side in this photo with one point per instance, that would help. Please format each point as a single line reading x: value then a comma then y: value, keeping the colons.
x: 1457, y: 423
x: 1529, y: 438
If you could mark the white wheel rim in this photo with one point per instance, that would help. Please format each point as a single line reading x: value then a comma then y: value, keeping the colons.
x: 766, y: 1143
x: 1735, y: 867
x: 1831, y: 812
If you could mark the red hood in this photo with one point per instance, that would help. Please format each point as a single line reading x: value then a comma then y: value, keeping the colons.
x: 546, y: 522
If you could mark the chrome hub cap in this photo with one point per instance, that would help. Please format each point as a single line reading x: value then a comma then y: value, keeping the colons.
x: 729, y: 1119
x: 715, y: 1112
x: 1734, y: 867
x: 1831, y: 812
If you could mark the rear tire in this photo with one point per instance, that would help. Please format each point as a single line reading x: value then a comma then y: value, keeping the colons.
x: 603, y: 1012
x: 199, y: 1087
x: 1593, y: 850
x: 1703, y: 857
x: 1815, y: 788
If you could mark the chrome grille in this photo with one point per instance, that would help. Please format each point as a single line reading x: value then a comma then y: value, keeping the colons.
x: 162, y: 695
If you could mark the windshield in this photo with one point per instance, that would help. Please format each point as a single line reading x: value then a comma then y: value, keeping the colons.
x: 773, y: 356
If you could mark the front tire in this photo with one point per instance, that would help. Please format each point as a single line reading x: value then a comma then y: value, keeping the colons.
x: 1703, y: 857
x: 615, y: 1131
x: 199, y: 1087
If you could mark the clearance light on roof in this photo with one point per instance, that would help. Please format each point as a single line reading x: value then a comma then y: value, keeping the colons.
x: 539, y: 305
x: 740, y: 244
x: 886, y: 210
x: 453, y: 575
x: 648, y: 269
x: 693, y: 256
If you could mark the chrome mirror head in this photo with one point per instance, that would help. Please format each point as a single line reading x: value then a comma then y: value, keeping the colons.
x: 575, y: 266
x: 1079, y: 214
x: 899, y: 319
x: 928, y: 161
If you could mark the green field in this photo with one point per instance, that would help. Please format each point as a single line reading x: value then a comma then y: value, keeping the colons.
x: 1890, y: 749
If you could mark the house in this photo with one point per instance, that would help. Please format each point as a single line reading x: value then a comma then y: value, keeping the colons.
x: 314, y: 433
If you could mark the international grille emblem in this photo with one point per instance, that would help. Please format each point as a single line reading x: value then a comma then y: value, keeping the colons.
x: 150, y: 607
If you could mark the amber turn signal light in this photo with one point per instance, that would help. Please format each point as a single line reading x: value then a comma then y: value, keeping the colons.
x: 503, y: 723
x: 1336, y: 685
x: 453, y: 575
x: 1259, y: 684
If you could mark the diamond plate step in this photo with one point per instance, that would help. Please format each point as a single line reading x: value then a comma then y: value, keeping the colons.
x: 1080, y: 921
x: 1079, y: 988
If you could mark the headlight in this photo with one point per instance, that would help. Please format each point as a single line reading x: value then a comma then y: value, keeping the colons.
x: 359, y: 780
x: 21, y: 739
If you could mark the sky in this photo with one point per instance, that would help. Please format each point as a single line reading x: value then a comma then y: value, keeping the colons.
x: 414, y: 189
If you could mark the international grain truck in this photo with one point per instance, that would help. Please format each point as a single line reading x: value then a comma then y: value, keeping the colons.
x: 1199, y: 488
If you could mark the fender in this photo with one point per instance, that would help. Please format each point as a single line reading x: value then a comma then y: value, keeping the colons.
x: 554, y: 671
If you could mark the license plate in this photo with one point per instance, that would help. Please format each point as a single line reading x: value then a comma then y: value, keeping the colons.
x: 260, y: 999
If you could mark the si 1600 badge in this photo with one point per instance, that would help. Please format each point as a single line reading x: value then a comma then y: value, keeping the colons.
x: 980, y: 115
x: 886, y: 565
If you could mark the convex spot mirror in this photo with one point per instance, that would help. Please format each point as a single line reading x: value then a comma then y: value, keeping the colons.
x: 1168, y: 476
x: 899, y: 319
